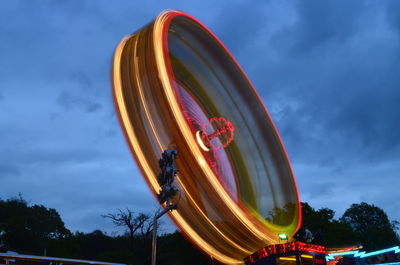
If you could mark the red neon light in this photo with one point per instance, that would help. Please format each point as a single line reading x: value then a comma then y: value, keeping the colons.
x: 284, y: 249
x: 218, y: 128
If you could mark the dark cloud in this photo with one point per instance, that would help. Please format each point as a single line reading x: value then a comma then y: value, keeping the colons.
x: 328, y: 73
x: 81, y: 94
x: 69, y: 101
x: 82, y: 79
x: 393, y: 16
x: 334, y: 87
x: 235, y: 20
x: 319, y: 24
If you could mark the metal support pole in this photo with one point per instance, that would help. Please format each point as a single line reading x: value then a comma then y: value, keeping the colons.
x: 169, y: 207
x: 167, y: 192
x: 154, y: 243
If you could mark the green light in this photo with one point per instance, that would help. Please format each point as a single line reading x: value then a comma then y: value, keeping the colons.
x: 283, y: 236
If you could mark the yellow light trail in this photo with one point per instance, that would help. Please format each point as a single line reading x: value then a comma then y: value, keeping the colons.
x: 158, y: 36
x: 287, y: 258
x: 152, y: 119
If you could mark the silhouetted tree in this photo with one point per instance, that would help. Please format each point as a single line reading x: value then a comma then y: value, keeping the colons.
x: 93, y: 246
x: 29, y: 228
x: 140, y: 228
x: 34, y: 228
x: 325, y: 229
x: 175, y: 249
x: 314, y: 219
x: 137, y: 224
x: 372, y: 226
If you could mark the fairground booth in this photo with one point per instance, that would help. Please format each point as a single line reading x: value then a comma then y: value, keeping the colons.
x: 295, y: 253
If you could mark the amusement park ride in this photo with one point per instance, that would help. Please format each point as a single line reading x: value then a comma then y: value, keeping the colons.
x: 231, y: 189
x: 210, y: 152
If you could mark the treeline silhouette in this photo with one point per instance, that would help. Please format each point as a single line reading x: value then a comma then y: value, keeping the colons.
x: 37, y: 230
x: 361, y: 224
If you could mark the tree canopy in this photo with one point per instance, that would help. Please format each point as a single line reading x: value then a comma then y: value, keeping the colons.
x: 29, y: 228
x: 33, y: 228
x: 361, y: 224
x: 371, y: 226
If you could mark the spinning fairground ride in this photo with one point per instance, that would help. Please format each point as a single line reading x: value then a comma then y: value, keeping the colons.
x: 185, y: 105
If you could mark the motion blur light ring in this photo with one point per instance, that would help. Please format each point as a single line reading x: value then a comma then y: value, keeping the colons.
x: 173, y: 82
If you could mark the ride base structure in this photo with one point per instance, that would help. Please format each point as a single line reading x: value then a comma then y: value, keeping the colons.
x: 294, y: 253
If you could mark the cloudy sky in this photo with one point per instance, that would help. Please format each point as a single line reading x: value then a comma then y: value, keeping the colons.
x: 328, y: 71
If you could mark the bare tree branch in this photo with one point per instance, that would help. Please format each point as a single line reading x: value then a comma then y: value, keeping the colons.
x: 134, y: 223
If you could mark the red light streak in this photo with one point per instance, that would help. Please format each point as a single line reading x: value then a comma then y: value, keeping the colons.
x: 157, y: 111
x: 284, y: 249
x: 224, y: 132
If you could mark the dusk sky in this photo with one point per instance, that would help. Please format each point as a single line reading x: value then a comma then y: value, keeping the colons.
x: 327, y: 71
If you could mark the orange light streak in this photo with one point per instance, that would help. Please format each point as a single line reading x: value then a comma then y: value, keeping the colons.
x: 158, y: 36
x: 151, y: 116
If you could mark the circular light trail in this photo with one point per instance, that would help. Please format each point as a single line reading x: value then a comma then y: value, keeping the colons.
x: 177, y: 86
x: 221, y: 137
